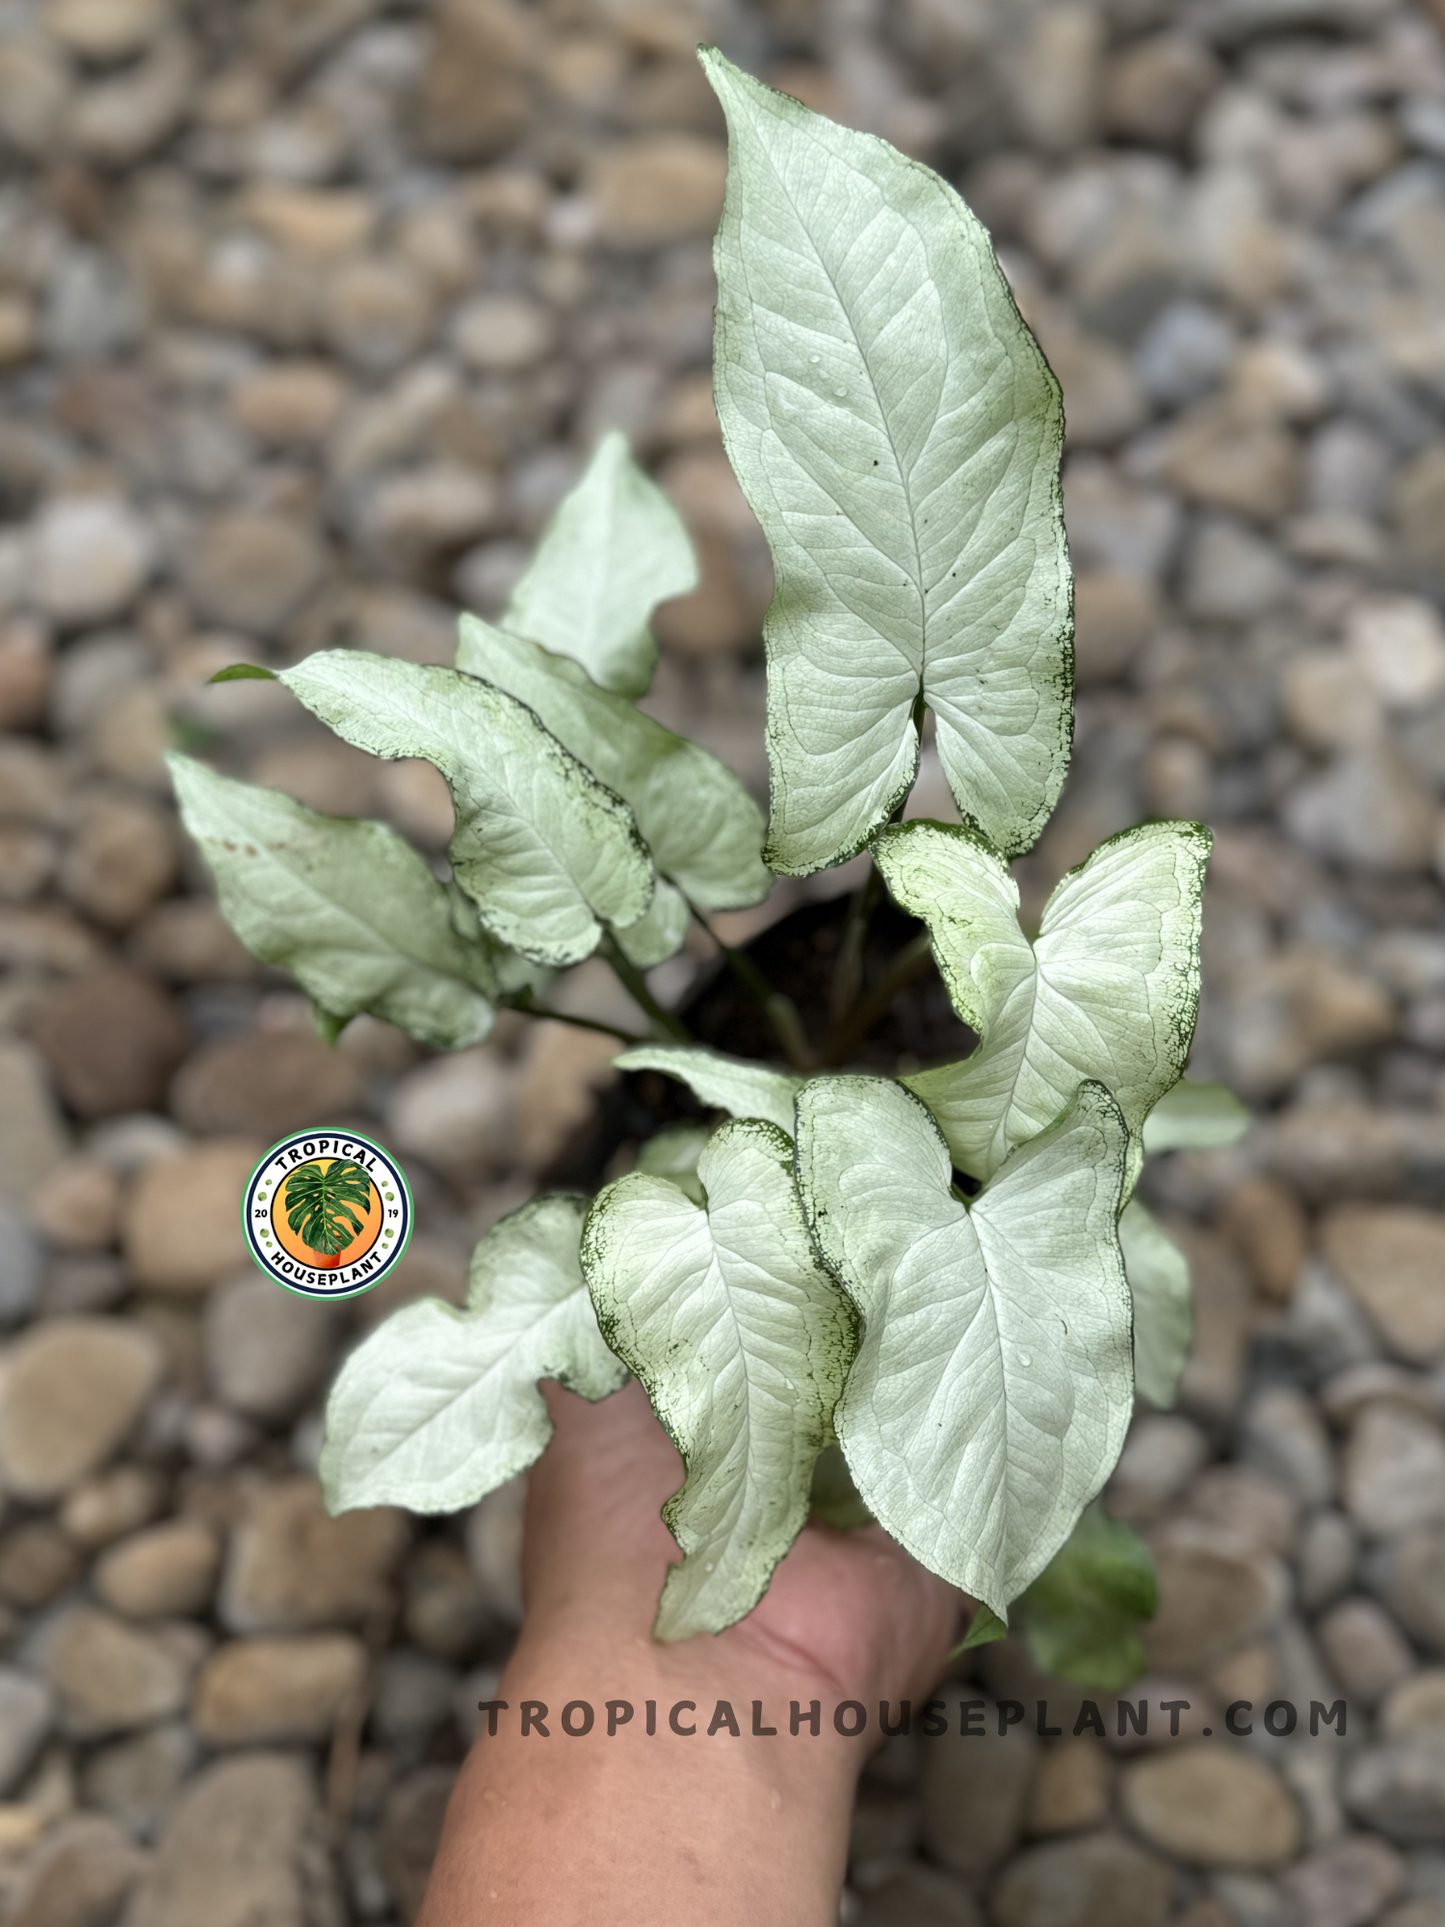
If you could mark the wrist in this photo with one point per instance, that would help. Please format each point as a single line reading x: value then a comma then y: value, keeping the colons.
x: 619, y: 1789
x: 755, y: 1710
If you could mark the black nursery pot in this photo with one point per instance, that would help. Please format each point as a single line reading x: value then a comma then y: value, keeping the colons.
x: 798, y: 956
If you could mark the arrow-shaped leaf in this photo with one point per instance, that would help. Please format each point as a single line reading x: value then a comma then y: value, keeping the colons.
x: 993, y: 1383
x: 733, y: 1084
x: 897, y: 432
x: 438, y: 1407
x: 704, y: 830
x: 742, y: 1341
x: 1109, y: 990
x: 1158, y: 1274
x: 348, y: 907
x: 548, y: 854
x: 615, y: 548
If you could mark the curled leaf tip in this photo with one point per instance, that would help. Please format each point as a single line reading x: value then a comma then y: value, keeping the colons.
x: 329, y: 1025
x: 983, y: 1629
x: 243, y: 672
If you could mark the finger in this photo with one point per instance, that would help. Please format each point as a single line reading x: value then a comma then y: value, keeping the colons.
x: 916, y: 1618
x: 594, y: 1532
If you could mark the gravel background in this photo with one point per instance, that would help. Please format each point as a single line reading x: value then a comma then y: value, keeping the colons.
x: 307, y: 314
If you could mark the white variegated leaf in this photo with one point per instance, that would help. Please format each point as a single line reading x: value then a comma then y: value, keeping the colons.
x: 1109, y: 990
x: 615, y: 548
x: 438, y: 1407
x: 993, y: 1383
x: 897, y: 432
x: 1158, y: 1274
x: 348, y: 907
x: 743, y: 1342
x: 733, y: 1084
x: 1196, y: 1117
x: 548, y: 854
x: 704, y: 830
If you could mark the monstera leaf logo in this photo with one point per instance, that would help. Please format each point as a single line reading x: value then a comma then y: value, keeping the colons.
x: 319, y: 1201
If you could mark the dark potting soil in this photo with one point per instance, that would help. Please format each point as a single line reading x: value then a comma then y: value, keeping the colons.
x: 798, y: 955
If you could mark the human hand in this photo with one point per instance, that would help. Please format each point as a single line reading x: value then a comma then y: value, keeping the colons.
x: 648, y: 1828
x: 850, y: 1611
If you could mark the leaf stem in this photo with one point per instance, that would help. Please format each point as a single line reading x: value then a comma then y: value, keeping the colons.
x: 780, y: 1011
x: 909, y: 963
x: 848, y: 967
x: 635, y: 984
x: 525, y: 1001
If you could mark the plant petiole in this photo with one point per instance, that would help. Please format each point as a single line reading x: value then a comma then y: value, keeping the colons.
x: 780, y: 1011
x: 524, y: 1001
x: 848, y: 968
x: 850, y: 1030
x: 635, y: 984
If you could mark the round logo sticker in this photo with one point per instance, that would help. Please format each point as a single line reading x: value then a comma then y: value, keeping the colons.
x: 327, y: 1214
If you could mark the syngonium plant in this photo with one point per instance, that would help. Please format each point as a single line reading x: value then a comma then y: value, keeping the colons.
x: 821, y: 1316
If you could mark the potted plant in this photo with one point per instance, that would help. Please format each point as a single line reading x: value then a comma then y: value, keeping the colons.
x: 929, y: 1297
x: 321, y: 1204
